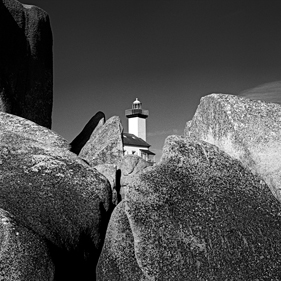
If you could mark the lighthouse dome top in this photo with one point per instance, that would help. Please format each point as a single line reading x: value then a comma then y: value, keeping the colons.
x: 136, y: 104
x: 136, y: 110
x: 136, y: 101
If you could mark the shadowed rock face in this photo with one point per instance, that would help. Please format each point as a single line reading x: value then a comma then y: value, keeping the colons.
x: 248, y: 130
x: 111, y: 173
x: 96, y: 121
x: 198, y: 215
x: 105, y: 145
x: 51, y: 192
x: 269, y: 92
x: 26, y: 68
x: 118, y: 261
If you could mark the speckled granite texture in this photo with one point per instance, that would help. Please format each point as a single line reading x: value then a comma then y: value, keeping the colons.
x: 23, y: 254
x: 248, y: 130
x: 54, y: 194
x: 110, y: 172
x: 197, y: 215
x: 130, y: 166
x: 121, y: 175
x: 26, y: 56
x: 105, y: 145
x: 117, y: 261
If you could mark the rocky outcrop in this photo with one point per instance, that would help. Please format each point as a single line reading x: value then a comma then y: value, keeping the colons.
x: 55, y: 195
x: 118, y: 261
x: 96, y: 121
x: 110, y: 172
x: 198, y: 215
x: 31, y: 132
x: 122, y: 175
x: 105, y: 145
x: 248, y: 130
x: 130, y: 166
x: 26, y: 68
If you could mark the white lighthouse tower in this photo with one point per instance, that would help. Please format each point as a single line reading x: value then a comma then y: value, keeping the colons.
x: 137, y: 120
x: 134, y: 141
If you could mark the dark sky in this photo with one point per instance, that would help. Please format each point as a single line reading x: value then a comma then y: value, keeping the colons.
x: 167, y: 53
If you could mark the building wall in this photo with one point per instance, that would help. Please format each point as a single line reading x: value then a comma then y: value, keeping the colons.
x: 137, y: 126
x: 135, y: 150
x: 131, y: 149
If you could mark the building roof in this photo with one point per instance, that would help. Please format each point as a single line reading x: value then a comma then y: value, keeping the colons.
x: 146, y: 151
x: 131, y: 139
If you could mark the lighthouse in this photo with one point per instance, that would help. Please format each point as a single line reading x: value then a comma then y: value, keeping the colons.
x: 135, y: 140
x: 137, y: 120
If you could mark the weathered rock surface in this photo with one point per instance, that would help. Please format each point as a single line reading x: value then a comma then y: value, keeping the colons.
x: 198, y: 215
x: 26, y: 68
x: 122, y: 175
x: 95, y: 122
x: 105, y: 145
x: 110, y: 172
x: 54, y: 194
x: 117, y: 261
x: 24, y: 256
x: 130, y: 166
x: 30, y: 131
x: 248, y: 130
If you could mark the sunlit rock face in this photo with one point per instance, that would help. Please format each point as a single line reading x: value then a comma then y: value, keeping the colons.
x: 129, y: 167
x: 248, y: 130
x: 110, y: 172
x: 26, y: 62
x: 94, y: 124
x: 57, y: 206
x: 269, y: 92
x: 105, y: 145
x: 197, y: 215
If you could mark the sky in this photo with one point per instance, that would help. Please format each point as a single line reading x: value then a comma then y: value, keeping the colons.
x: 167, y: 53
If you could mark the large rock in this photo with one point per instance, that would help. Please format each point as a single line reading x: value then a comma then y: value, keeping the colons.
x: 130, y: 166
x: 26, y: 68
x: 54, y: 194
x: 110, y: 172
x: 198, y: 215
x: 248, y: 130
x: 95, y: 122
x: 105, y: 145
x: 118, y: 261
x: 11, y: 124
x: 120, y: 176
x: 24, y: 256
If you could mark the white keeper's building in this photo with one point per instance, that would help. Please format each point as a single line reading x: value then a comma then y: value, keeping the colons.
x: 135, y: 140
